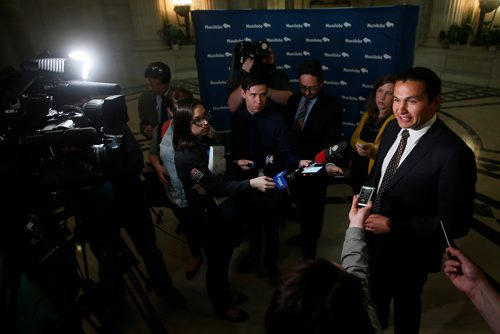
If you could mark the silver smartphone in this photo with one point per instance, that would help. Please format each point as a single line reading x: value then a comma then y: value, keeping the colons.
x: 365, y: 195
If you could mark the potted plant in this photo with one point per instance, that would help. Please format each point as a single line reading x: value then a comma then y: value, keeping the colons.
x: 172, y: 34
x: 459, y: 33
x: 493, y: 39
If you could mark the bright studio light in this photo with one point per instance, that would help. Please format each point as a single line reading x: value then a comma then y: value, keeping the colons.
x: 79, y: 55
x: 182, y: 2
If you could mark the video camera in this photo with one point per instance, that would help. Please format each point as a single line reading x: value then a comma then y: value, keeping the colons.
x: 245, y: 50
x: 68, y: 153
x: 58, y: 135
x: 44, y: 110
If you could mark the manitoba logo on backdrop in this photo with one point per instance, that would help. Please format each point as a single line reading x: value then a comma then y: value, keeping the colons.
x: 237, y: 40
x: 219, y: 55
x: 317, y: 40
x: 336, y: 55
x: 217, y: 26
x: 284, y: 67
x: 338, y: 25
x: 385, y: 56
x: 217, y: 82
x: 297, y: 53
x: 361, y: 70
x: 356, y: 46
x: 279, y: 40
x: 364, y: 40
x: 336, y: 83
x: 354, y: 98
x: 387, y: 24
x: 264, y: 25
x: 298, y: 25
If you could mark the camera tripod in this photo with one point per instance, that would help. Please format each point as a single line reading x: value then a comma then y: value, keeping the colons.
x: 132, y: 280
x: 87, y: 305
x: 50, y: 261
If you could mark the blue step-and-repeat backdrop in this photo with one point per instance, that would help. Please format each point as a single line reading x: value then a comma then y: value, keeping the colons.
x: 356, y: 46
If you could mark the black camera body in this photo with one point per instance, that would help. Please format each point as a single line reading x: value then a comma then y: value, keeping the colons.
x: 62, y: 141
x: 64, y: 132
x: 248, y: 50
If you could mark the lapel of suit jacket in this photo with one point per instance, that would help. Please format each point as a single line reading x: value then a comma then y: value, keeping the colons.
x: 419, y: 151
x: 313, y: 114
x: 388, y: 137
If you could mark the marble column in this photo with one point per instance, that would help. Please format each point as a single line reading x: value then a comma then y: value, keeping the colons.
x: 443, y: 14
x: 147, y: 22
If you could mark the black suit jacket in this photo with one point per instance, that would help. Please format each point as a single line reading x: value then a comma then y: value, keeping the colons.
x: 435, y: 182
x: 322, y: 129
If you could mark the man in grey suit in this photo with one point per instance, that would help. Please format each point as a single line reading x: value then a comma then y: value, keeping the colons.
x: 431, y: 178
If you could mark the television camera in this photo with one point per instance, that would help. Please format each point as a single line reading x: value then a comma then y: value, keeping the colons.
x: 62, y: 140
x: 247, y: 50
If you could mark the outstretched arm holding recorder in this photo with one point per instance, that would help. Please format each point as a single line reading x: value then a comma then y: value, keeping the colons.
x: 467, y: 277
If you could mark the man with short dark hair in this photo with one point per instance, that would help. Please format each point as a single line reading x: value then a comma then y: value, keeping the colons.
x: 260, y: 144
x: 315, y: 119
x: 277, y: 81
x: 152, y: 103
x: 424, y: 173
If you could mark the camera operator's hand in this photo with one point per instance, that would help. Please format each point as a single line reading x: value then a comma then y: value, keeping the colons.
x: 247, y: 65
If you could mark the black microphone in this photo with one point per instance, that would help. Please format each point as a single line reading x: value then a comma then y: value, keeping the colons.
x: 331, y: 153
x: 327, y: 155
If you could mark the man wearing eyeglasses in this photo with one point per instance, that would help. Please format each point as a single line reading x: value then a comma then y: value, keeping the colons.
x: 315, y: 120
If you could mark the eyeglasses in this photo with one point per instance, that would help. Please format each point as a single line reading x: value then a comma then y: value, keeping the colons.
x: 200, y: 121
x: 312, y: 89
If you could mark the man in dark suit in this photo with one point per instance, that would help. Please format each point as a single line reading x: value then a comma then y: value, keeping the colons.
x: 434, y: 180
x: 152, y: 103
x: 315, y: 119
x: 260, y: 144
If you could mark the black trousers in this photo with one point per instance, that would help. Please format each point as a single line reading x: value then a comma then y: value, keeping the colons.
x: 398, y: 276
x: 309, y: 195
x: 263, y: 214
x: 212, y: 229
x: 218, y: 256
x: 182, y: 214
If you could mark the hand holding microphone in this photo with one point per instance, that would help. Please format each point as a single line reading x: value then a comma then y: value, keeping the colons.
x: 262, y: 183
x: 333, y: 170
x: 305, y: 163
x: 331, y: 153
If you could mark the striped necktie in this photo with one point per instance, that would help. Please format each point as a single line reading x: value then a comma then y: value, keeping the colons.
x: 301, y: 116
x: 392, y: 167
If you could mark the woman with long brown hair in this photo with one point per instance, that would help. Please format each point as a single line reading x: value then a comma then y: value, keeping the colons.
x: 208, y: 222
x: 366, y: 137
